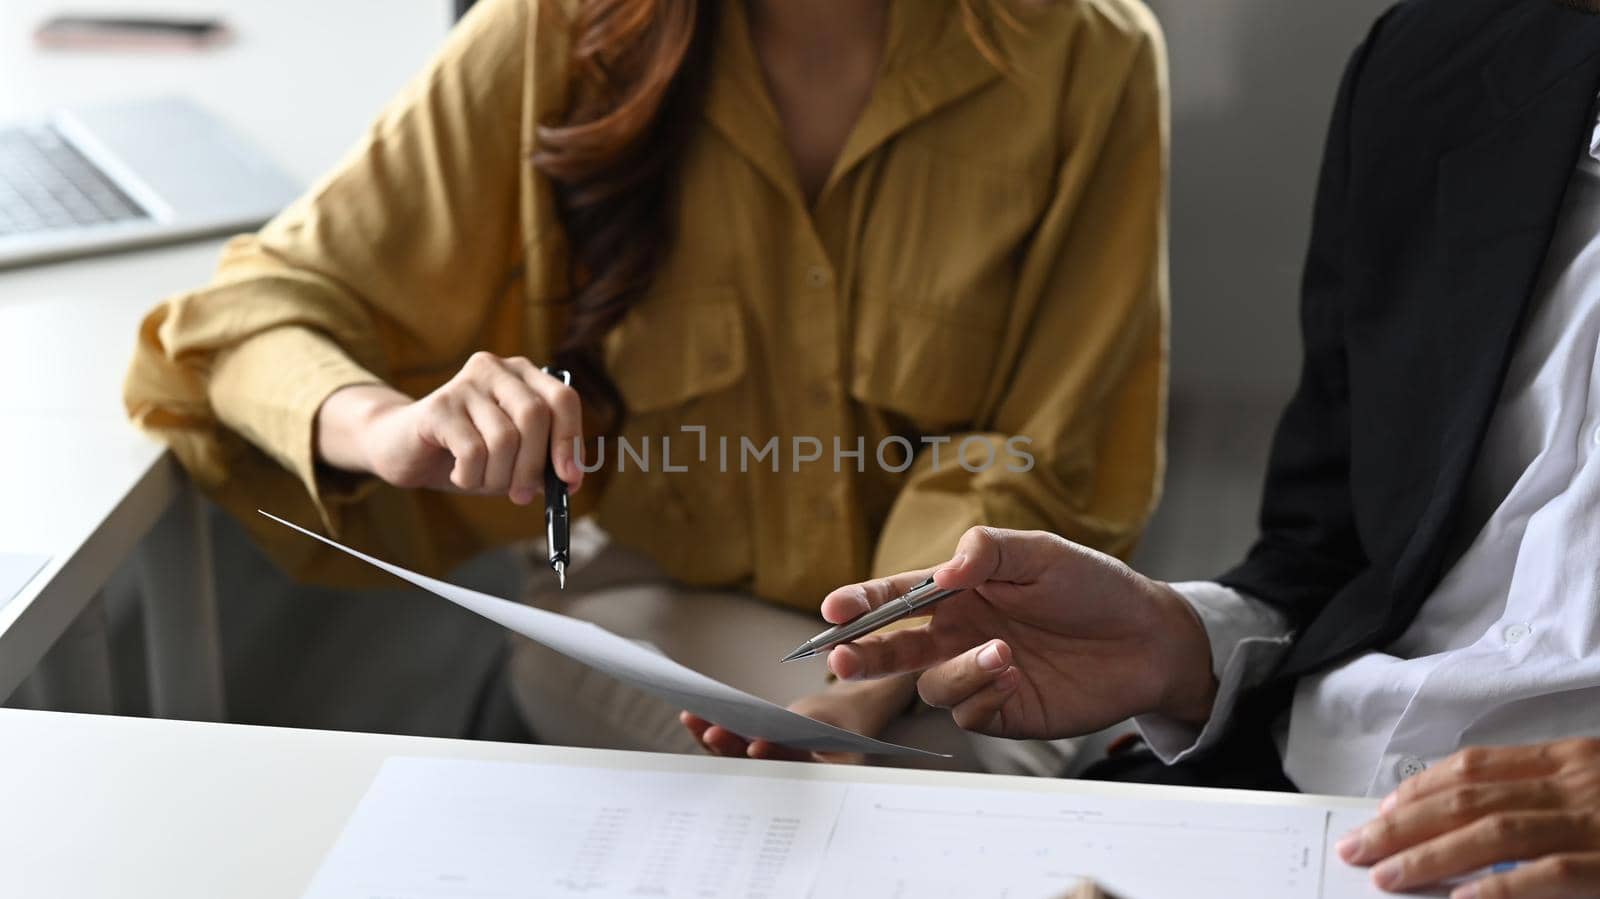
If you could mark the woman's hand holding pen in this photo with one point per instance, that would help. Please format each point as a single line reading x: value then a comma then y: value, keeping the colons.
x: 488, y: 430
x: 1050, y: 639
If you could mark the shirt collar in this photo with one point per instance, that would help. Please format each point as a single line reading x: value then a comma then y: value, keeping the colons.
x: 929, y: 62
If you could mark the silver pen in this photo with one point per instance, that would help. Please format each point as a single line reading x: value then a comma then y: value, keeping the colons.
x: 918, y: 598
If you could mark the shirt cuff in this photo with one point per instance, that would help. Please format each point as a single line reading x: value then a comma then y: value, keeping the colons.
x: 270, y: 388
x: 1247, y: 638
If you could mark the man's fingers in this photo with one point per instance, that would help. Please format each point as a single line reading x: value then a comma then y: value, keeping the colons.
x: 963, y: 677
x: 1487, y: 841
x: 846, y: 603
x: 1480, y: 764
x: 996, y: 554
x: 500, y: 438
x: 1553, y: 877
x: 1442, y: 812
x: 884, y: 654
x: 984, y: 554
x: 983, y: 712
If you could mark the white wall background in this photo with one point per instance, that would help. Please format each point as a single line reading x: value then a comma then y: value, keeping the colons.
x: 1253, y: 83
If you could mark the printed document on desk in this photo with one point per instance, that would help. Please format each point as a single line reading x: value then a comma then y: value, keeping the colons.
x: 644, y: 668
x: 443, y: 829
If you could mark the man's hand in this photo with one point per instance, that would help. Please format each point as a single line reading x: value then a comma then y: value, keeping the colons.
x: 1050, y: 639
x: 864, y: 708
x: 1538, y: 806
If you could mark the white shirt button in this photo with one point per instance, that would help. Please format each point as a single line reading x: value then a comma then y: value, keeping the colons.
x: 1518, y: 632
x: 1597, y: 436
x: 818, y: 277
x: 1409, y: 767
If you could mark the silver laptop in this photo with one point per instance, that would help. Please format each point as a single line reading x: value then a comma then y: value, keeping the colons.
x: 104, y: 178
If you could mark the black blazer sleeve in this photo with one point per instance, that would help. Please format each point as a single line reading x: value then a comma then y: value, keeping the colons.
x: 1308, y: 548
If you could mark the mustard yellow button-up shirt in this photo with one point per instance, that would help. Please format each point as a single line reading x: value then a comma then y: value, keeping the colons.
x: 986, y: 260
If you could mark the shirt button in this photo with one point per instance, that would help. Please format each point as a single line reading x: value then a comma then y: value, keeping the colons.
x: 818, y: 277
x: 1518, y: 632
x: 1409, y: 767
x: 1597, y: 436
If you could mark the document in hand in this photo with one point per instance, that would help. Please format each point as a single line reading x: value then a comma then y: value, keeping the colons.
x: 632, y: 663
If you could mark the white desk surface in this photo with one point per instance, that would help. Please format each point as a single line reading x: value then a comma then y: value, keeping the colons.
x: 302, y: 79
x: 137, y: 808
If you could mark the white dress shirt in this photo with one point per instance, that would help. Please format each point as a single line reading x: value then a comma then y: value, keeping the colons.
x: 1507, y: 648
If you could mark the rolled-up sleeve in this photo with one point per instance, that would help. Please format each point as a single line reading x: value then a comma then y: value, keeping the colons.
x: 394, y: 268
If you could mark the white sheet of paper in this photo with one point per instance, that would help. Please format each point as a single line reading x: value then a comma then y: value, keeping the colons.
x: 630, y: 662
x: 445, y: 829
x: 16, y: 570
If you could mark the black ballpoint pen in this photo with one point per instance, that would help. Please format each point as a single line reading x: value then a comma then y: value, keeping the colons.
x: 557, y: 520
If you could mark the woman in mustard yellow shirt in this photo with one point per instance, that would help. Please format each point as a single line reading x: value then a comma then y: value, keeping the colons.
x: 836, y: 280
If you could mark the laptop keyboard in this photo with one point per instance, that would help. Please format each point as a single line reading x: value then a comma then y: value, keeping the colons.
x: 47, y: 185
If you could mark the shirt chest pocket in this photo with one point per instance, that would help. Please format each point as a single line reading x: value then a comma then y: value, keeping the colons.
x: 674, y: 349
x: 921, y: 364
x: 936, y: 283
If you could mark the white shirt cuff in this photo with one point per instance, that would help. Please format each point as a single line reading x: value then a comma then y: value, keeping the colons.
x: 1247, y: 637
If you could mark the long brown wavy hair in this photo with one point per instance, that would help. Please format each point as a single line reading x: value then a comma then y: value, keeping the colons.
x: 637, y: 75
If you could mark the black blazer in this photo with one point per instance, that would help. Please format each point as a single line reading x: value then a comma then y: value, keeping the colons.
x: 1457, y: 127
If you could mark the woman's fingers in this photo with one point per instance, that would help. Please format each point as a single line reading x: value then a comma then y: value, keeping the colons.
x: 565, y: 418
x: 695, y: 724
x: 449, y: 426
x: 717, y: 740
x: 500, y: 439
x: 777, y: 752
x: 531, y: 418
x: 964, y: 677
x: 503, y: 421
x: 722, y: 741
